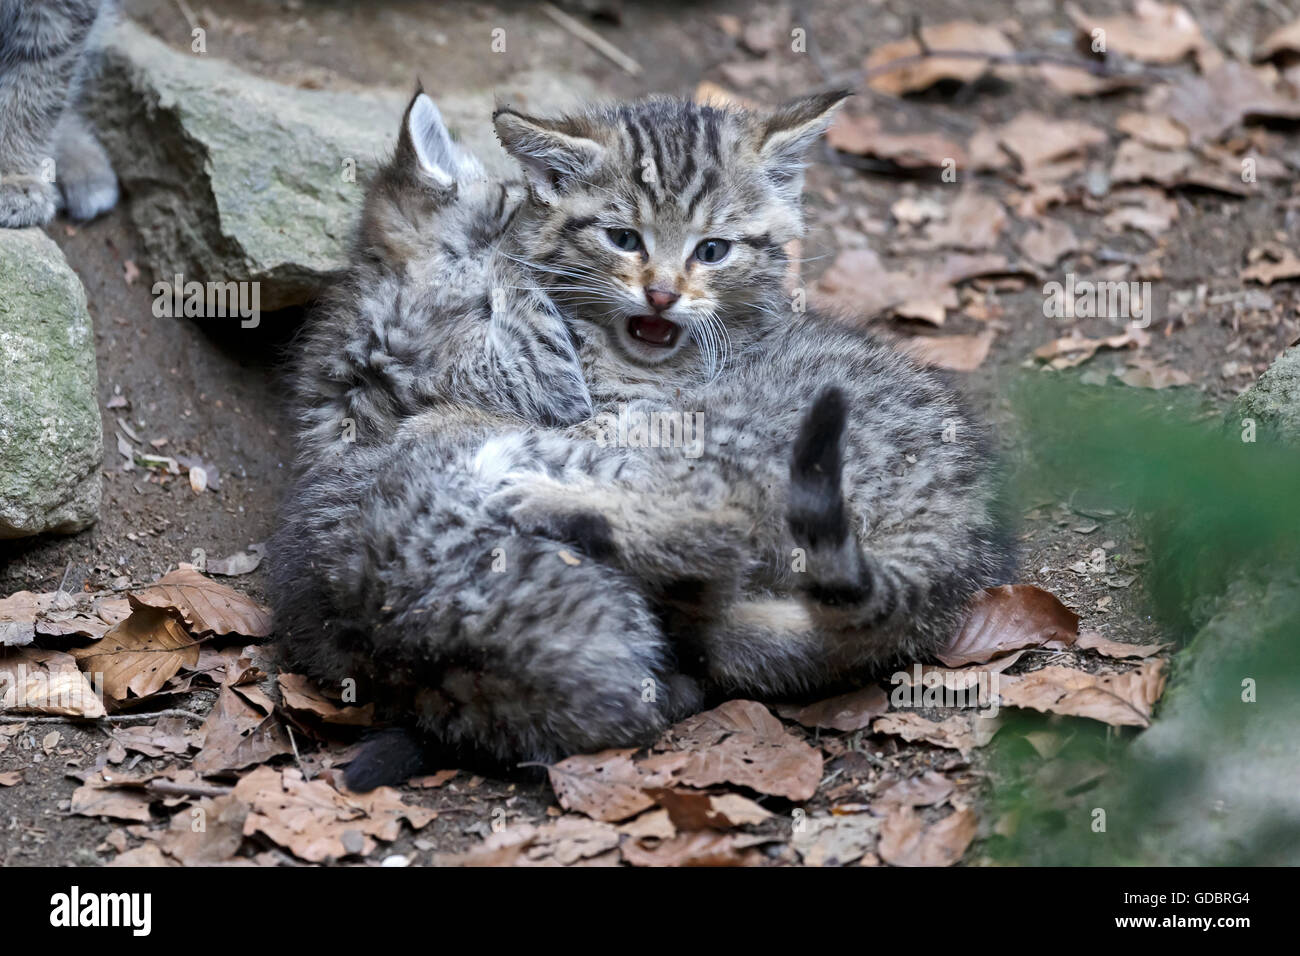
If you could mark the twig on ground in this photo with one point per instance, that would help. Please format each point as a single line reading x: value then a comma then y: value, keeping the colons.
x: 119, y: 718
x: 592, y: 39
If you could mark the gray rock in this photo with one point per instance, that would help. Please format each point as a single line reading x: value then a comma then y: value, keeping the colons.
x: 235, y: 178
x: 1274, y: 400
x: 51, y: 439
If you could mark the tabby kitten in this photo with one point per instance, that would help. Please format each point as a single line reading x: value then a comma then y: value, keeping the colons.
x: 659, y: 229
x: 44, y: 143
x: 419, y: 393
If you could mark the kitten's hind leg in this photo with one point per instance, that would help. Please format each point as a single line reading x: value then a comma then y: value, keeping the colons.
x: 85, y: 174
x: 26, y: 201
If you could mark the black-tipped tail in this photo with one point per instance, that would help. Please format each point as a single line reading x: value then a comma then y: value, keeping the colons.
x: 816, y: 512
x: 386, y: 758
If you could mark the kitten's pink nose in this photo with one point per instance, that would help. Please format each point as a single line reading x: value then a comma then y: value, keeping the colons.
x: 661, y: 299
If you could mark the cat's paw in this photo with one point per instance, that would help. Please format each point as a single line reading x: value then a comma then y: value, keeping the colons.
x: 84, y: 199
x: 26, y: 202
x: 550, y: 510
x: 86, y: 178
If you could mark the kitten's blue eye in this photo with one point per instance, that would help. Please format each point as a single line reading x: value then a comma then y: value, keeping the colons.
x: 626, y: 239
x: 712, y: 251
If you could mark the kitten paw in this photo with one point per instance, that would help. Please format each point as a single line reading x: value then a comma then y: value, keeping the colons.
x: 547, y: 511
x: 26, y: 202
x: 86, y: 177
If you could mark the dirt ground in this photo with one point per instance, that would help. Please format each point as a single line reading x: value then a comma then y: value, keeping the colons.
x: 219, y: 397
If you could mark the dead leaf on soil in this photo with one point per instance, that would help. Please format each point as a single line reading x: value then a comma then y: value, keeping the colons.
x: 607, y: 786
x: 697, y: 848
x: 316, y: 822
x: 835, y: 840
x: 1120, y: 699
x: 35, y: 681
x: 1074, y: 349
x: 236, y: 734
x: 1146, y: 374
x: 852, y: 711
x: 741, y: 743
x: 1207, y: 107
x: 916, y: 75
x: 301, y: 696
x: 1266, y: 272
x: 1153, y: 33
x: 928, y: 790
x: 964, y: 732
x: 907, y: 840
x: 865, y: 135
x: 1008, y: 618
x: 139, y: 655
x: 1035, y: 139
x: 961, y: 353
x: 1092, y: 641
x: 1283, y: 44
x: 1048, y: 242
x: 207, y: 606
x: 698, y: 811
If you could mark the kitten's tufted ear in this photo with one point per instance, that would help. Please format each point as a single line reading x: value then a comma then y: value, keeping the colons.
x: 552, y: 152
x: 425, y: 146
x: 789, y: 132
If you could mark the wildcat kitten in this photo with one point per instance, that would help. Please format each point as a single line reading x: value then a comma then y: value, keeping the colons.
x: 418, y: 389
x: 43, y: 141
x: 861, y: 547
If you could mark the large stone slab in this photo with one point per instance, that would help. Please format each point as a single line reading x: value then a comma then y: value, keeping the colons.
x: 51, y: 439
x: 232, y: 177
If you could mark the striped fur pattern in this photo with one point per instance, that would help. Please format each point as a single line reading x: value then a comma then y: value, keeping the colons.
x: 868, y: 489
x: 49, y: 158
x: 480, y: 557
x: 421, y: 384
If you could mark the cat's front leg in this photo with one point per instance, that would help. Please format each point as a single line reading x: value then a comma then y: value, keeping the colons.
x: 655, y: 535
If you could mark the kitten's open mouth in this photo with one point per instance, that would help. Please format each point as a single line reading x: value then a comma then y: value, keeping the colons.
x: 654, y: 330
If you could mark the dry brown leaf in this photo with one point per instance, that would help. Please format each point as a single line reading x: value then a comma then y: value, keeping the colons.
x: 928, y: 790
x: 964, y: 732
x: 1074, y: 350
x: 961, y: 353
x: 718, y: 811
x: 864, y: 135
x: 236, y: 734
x: 1153, y: 129
x: 852, y: 711
x: 916, y: 75
x: 90, y: 800
x: 1153, y: 33
x: 301, y: 696
x: 1207, y: 107
x: 171, y: 735
x: 1048, y: 242
x: 1092, y: 641
x: 974, y: 221
x: 218, y: 839
x: 1283, y: 44
x: 697, y: 848
x: 606, y: 786
x: 568, y: 841
x: 1146, y: 210
x: 1035, y: 139
x: 835, y: 840
x: 207, y: 606
x: 1148, y: 375
x: 1008, y: 618
x: 11, y: 778
x: 741, y: 743
x: 35, y: 681
x: 147, y: 855
x: 1072, y: 81
x: 1120, y: 699
x: 1266, y: 273
x: 139, y: 655
x: 907, y: 840
x: 656, y: 824
x: 317, y: 822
